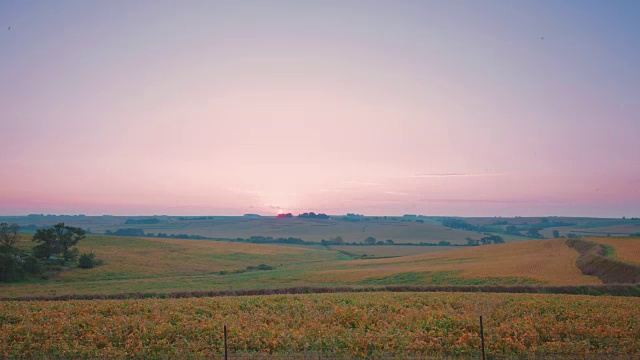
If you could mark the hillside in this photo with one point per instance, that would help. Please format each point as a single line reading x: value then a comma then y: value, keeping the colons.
x: 231, y: 227
x: 625, y: 248
x: 169, y: 265
x: 549, y: 262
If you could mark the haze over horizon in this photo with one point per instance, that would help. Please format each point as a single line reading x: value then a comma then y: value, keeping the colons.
x: 462, y: 108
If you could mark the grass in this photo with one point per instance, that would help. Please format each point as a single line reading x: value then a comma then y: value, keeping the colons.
x: 233, y: 227
x: 384, y: 251
x: 168, y: 265
x: 440, y: 278
x: 549, y: 262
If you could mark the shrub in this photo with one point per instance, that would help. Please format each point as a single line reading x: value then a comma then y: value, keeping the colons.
x: 32, y: 265
x: 87, y: 261
x: 10, y: 269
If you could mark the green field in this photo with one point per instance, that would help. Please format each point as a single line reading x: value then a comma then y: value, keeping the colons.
x: 231, y: 227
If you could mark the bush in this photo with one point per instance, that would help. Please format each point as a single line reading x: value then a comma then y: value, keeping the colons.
x: 32, y: 265
x: 87, y: 261
x: 10, y: 269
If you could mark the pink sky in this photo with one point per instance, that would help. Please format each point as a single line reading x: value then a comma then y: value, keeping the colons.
x: 434, y: 108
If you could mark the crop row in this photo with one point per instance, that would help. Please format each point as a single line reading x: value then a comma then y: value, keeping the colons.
x: 349, y: 324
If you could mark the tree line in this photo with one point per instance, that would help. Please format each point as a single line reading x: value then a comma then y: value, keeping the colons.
x: 54, y: 247
x: 135, y: 232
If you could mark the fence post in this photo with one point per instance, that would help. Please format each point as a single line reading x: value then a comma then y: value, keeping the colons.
x: 482, y: 337
x: 225, y: 342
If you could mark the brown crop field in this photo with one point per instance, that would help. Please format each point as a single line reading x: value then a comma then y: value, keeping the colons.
x: 373, y: 325
x: 626, y: 248
x: 549, y: 262
x: 162, y: 265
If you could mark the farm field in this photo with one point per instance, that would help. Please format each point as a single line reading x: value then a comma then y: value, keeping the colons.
x: 171, y: 265
x: 626, y: 248
x: 375, y: 325
x: 549, y: 262
x: 232, y: 227
x: 376, y: 251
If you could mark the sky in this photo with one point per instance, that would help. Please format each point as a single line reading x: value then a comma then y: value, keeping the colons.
x: 469, y: 108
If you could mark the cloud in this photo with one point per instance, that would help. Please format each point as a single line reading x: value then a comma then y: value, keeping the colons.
x: 395, y: 193
x: 359, y: 183
x: 489, y: 201
x: 244, y: 191
x: 442, y: 175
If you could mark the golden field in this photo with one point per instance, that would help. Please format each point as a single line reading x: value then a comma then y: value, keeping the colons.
x: 626, y: 248
x: 549, y: 262
x: 377, y: 325
x: 171, y: 265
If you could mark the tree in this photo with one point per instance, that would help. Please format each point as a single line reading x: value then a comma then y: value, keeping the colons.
x: 389, y: 241
x: 512, y: 230
x: 58, y: 240
x: 370, y: 240
x: 556, y: 234
x: 534, y: 231
x: 8, y: 234
x: 471, y: 242
x: 48, y: 244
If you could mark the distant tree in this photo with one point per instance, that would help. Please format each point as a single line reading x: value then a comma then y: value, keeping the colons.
x: 60, y: 239
x: 389, y: 241
x: 512, y: 230
x: 534, y: 232
x: 444, y: 243
x: 69, y: 237
x: 48, y: 244
x: 556, y: 234
x: 370, y: 240
x: 313, y: 215
x: 455, y: 223
x: 128, y: 232
x: 14, y: 264
x: 8, y: 234
x: 471, y: 242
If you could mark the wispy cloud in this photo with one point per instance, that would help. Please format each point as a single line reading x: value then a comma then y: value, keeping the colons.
x: 488, y: 201
x: 244, y: 191
x: 359, y: 183
x: 395, y: 193
x: 443, y: 175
